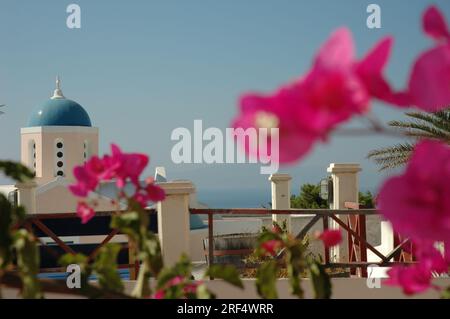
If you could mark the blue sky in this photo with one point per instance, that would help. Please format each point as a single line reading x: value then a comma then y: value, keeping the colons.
x: 143, y: 68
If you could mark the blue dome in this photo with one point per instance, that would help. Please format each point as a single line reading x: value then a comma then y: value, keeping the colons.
x: 59, y: 112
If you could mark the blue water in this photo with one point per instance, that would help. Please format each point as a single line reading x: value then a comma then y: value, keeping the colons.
x: 234, y: 198
x: 241, y: 198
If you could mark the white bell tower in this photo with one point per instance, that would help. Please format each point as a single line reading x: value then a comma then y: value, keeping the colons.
x: 59, y: 137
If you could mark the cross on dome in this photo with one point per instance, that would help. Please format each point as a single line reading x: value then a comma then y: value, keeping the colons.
x: 58, y: 94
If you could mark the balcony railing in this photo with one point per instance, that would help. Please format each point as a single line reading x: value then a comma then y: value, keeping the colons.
x: 352, y: 221
x: 353, y: 224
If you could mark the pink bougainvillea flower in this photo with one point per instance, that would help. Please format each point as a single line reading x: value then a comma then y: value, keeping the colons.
x: 434, y: 24
x: 121, y: 166
x: 418, y: 206
x: 332, y: 92
x: 276, y: 229
x: 271, y: 246
x: 86, y: 181
x: 335, y: 89
x: 150, y: 193
x: 429, y: 82
x: 159, y: 294
x: 191, y: 288
x: 129, y: 166
x: 329, y: 98
x: 91, y: 173
x: 417, y: 202
x: 154, y: 192
x: 418, y: 277
x: 339, y: 54
x: 370, y: 71
x: 301, y: 111
x: 141, y: 199
x: 413, y: 279
x: 362, y: 79
x: 447, y: 253
x: 85, y: 212
x: 432, y: 259
x: 275, y: 112
x: 103, y: 168
x: 175, y: 281
x: 430, y: 79
x: 188, y: 287
x: 330, y: 237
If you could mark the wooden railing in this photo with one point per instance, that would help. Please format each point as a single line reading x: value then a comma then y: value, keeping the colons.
x: 354, y: 225
x: 58, y: 225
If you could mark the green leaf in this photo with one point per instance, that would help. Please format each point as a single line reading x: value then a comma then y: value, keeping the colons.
x: 127, y: 223
x: 16, y: 171
x: 295, y: 266
x: 446, y: 293
x: 266, y: 278
x: 28, y: 264
x: 267, y: 235
x: 142, y: 288
x: 151, y: 251
x: 262, y: 238
x: 6, y: 240
x: 69, y: 259
x: 227, y: 273
x: 204, y: 293
x: 320, y: 280
x: 181, y: 268
x: 105, y: 266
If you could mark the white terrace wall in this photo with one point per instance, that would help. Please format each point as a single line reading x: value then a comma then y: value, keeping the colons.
x: 343, y: 288
x: 173, y: 220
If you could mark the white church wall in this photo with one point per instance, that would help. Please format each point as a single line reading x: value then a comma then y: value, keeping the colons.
x: 72, y: 140
x: 55, y: 197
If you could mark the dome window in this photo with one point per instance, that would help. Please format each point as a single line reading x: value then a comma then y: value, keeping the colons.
x: 32, y: 156
x: 86, y: 150
x: 59, y: 157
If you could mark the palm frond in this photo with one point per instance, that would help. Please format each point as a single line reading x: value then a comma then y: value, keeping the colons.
x: 440, y: 120
x: 421, y: 125
x: 390, y: 162
x: 393, y: 156
x: 396, y: 150
x: 415, y: 129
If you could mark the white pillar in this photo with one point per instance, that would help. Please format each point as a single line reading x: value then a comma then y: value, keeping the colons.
x: 281, y: 197
x: 173, y: 220
x: 345, y: 189
x: 27, y: 196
